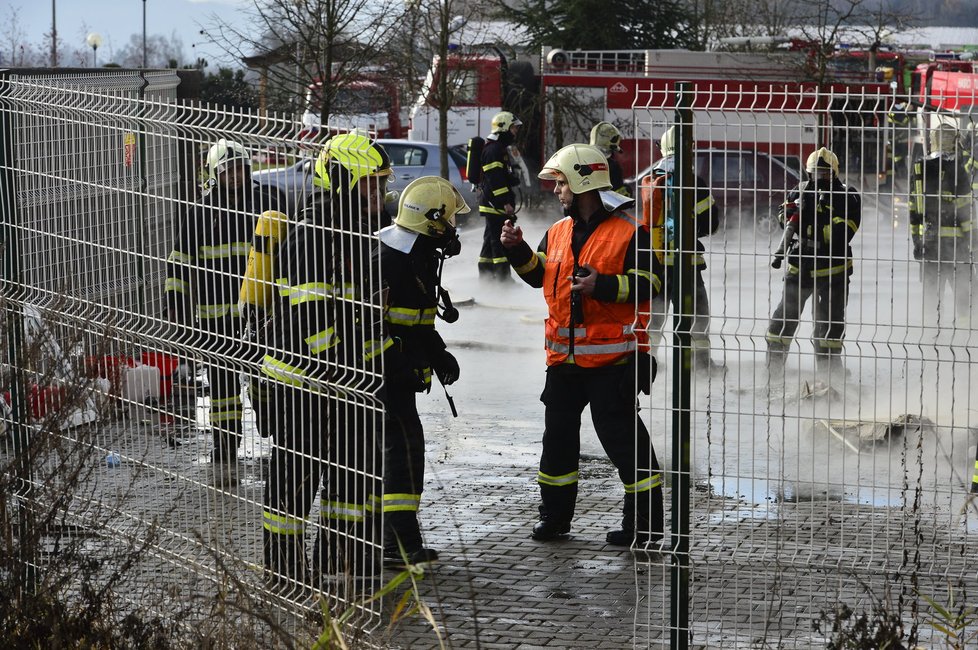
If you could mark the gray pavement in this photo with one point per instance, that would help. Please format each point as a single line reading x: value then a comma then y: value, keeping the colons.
x: 760, y: 577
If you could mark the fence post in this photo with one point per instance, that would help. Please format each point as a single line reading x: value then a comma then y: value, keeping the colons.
x: 682, y: 300
x: 13, y: 319
x: 142, y: 300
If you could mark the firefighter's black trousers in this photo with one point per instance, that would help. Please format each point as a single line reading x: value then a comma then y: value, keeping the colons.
x: 700, y: 332
x: 492, y: 259
x: 403, y: 470
x: 325, y: 440
x: 956, y: 276
x: 831, y: 295
x: 225, y: 357
x: 611, y: 393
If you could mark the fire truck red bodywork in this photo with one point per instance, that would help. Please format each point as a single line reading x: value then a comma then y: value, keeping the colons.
x: 629, y: 87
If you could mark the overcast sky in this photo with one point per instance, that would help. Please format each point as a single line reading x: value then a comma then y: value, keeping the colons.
x: 117, y: 20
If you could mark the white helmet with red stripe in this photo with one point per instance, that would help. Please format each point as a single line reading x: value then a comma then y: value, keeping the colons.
x: 584, y: 167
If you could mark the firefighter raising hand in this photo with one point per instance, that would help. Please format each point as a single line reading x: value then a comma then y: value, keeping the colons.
x: 510, y: 235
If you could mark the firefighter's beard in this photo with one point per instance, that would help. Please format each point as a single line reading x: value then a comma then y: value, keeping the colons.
x: 573, y: 210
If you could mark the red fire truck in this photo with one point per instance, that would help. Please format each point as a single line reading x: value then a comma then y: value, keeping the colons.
x: 942, y: 90
x: 371, y: 102
x: 478, y: 83
x: 745, y: 100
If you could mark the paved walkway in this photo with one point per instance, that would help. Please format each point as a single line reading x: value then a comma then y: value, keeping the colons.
x: 761, y: 576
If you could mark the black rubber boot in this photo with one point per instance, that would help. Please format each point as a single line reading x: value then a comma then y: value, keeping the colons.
x: 547, y: 530
x: 421, y: 555
x: 402, y: 539
x: 647, y: 533
x: 625, y: 537
x: 326, y: 550
x: 226, y: 438
x: 285, y: 562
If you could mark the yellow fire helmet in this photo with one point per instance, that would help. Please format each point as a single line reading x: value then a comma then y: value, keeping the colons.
x: 606, y: 137
x: 822, y: 158
x: 222, y: 155
x: 351, y: 156
x: 502, y: 121
x: 584, y: 167
x: 428, y: 206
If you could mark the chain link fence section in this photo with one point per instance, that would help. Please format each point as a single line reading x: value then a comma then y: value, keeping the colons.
x: 102, y: 168
x: 819, y: 494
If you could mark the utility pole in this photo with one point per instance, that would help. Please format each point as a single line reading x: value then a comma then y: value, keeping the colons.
x: 54, y: 36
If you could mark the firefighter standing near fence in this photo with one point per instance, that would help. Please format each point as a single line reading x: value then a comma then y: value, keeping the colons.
x: 824, y: 215
x: 606, y: 137
x: 597, y: 273
x: 941, y: 226
x: 660, y: 202
x: 412, y: 252
x: 327, y: 338
x: 498, y: 201
x: 204, y: 272
x: 899, y: 119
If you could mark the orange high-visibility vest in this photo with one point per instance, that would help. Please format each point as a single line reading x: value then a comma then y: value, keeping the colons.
x: 653, y: 189
x: 611, y: 331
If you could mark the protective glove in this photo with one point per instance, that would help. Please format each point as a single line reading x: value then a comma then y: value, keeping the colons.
x: 647, y: 367
x: 446, y: 367
x: 400, y: 371
x: 918, y: 251
x: 638, y: 375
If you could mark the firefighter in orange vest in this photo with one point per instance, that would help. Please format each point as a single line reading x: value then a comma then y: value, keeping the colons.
x: 659, y: 206
x: 595, y: 282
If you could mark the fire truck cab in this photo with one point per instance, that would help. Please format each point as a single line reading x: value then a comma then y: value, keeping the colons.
x: 366, y: 102
x: 944, y: 90
x: 475, y: 82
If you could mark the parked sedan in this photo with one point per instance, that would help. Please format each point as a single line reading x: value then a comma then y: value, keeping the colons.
x: 410, y: 160
x: 745, y: 183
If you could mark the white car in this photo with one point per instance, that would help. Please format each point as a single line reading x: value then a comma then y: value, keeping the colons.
x: 410, y: 160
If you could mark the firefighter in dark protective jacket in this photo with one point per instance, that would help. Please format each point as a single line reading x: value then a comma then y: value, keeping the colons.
x: 412, y: 251
x: 825, y: 215
x: 606, y: 137
x: 324, y: 359
x: 597, y: 273
x: 706, y: 220
x: 498, y: 201
x: 204, y: 272
x: 941, y: 227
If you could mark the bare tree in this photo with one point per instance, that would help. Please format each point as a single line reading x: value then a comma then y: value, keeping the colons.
x: 758, y: 19
x: 826, y: 23
x: 15, y: 50
x: 323, y: 44
x: 161, y: 52
x: 438, y: 37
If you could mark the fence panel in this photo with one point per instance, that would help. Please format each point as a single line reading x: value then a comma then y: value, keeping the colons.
x: 134, y: 425
x: 831, y: 454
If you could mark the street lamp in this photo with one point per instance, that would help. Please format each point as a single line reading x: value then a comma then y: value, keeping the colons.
x: 144, y: 34
x: 94, y: 40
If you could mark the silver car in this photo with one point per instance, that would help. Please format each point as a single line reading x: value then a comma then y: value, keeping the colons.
x: 410, y: 160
